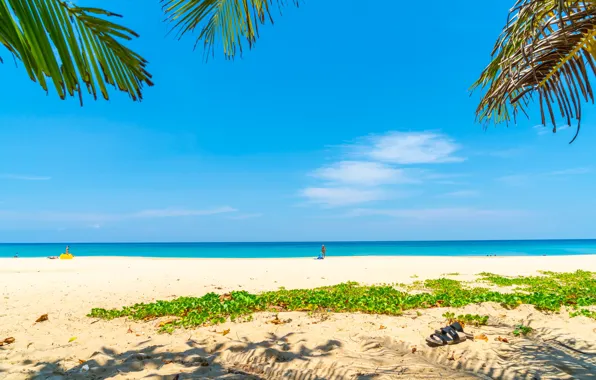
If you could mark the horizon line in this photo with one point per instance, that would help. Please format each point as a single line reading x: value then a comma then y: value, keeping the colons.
x: 301, y: 241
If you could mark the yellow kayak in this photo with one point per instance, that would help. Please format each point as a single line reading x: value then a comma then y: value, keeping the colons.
x: 66, y: 256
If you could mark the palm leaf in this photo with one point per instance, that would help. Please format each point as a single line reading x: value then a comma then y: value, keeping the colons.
x: 72, y: 47
x: 234, y: 22
x: 546, y: 48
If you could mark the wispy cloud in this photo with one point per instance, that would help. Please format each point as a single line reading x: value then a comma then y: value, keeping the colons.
x: 460, y: 194
x: 96, y: 218
x: 362, y: 173
x: 573, y: 171
x: 514, y: 179
x: 435, y: 214
x: 543, y: 130
x: 506, y: 153
x: 523, y: 179
x: 378, y: 167
x: 341, y: 196
x: 412, y: 148
x: 173, y: 212
x: 245, y: 216
x: 20, y: 177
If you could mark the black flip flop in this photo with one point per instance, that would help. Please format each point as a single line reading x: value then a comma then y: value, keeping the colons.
x: 453, y: 335
x: 458, y: 327
x: 436, y: 339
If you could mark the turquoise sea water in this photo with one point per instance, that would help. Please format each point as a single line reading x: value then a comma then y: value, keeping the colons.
x: 310, y: 249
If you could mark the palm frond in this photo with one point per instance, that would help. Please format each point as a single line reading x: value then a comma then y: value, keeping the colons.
x: 547, y: 47
x: 72, y: 47
x: 233, y: 22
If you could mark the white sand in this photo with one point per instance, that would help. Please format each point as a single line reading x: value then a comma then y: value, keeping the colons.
x: 343, y: 346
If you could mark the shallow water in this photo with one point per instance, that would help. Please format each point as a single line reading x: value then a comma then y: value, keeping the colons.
x: 309, y: 249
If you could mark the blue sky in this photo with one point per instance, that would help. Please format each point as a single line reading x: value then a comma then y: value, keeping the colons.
x: 347, y: 121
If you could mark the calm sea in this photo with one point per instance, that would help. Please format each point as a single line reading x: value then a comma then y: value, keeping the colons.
x: 306, y: 249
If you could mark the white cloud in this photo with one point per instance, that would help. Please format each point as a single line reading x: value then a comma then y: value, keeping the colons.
x: 413, y: 148
x: 362, y: 173
x: 376, y: 166
x: 436, y: 214
x: 25, y: 177
x: 460, y: 194
x: 95, y: 218
x: 340, y: 196
x: 245, y: 216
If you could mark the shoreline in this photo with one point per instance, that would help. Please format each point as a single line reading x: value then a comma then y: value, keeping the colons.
x: 330, y: 257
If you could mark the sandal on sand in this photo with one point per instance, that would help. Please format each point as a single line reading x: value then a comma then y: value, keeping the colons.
x: 436, y: 339
x: 457, y: 327
x: 447, y: 335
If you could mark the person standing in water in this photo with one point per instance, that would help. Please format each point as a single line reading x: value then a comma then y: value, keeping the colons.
x: 323, y: 250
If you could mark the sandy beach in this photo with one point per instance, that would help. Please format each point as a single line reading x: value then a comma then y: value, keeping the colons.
x: 340, y: 346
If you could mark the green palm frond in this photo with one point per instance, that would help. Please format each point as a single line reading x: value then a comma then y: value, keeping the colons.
x: 72, y: 47
x: 233, y: 22
x: 547, y: 47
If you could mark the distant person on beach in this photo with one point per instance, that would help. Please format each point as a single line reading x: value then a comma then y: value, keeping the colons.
x: 66, y: 251
x: 323, y: 251
x: 16, y: 255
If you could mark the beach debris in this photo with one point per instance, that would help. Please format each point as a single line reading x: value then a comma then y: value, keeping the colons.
x: 481, y: 337
x: 414, y: 349
x: 277, y: 321
x: 29, y: 345
x: 382, y: 327
x: 72, y: 339
x: 129, y: 330
x: 9, y: 340
x: 225, y: 297
x: 166, y: 322
x: 42, y: 318
x: 225, y: 332
x: 81, y: 361
x: 501, y: 339
x: 84, y: 368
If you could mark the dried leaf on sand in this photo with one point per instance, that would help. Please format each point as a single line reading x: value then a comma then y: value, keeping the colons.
x: 277, y: 321
x: 42, y: 318
x: 481, y: 337
x: 166, y: 322
x: 7, y: 341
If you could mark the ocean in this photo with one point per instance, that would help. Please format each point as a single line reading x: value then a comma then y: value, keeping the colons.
x: 309, y: 249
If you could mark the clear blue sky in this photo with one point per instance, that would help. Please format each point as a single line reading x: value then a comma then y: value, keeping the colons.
x: 348, y: 121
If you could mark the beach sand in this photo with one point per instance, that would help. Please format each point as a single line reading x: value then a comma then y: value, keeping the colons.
x: 341, y: 346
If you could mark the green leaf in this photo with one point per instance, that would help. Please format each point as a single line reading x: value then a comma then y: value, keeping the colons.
x: 72, y: 47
